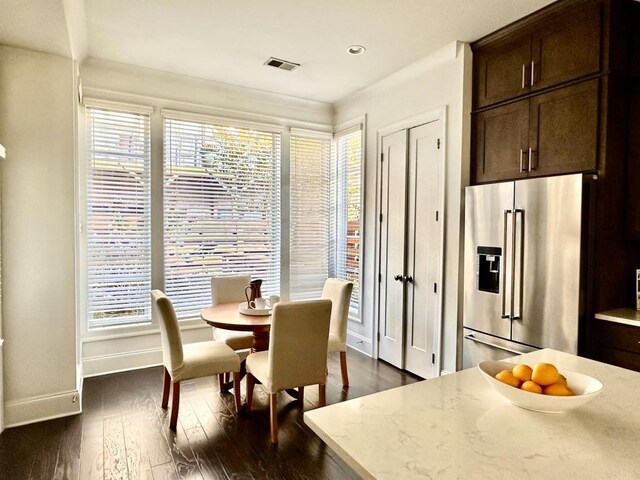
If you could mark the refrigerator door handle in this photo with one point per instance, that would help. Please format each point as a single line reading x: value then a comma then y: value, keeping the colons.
x: 503, y: 313
x: 513, y: 265
x: 521, y: 266
x: 492, y: 345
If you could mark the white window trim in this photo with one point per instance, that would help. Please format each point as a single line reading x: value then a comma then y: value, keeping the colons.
x: 345, y: 128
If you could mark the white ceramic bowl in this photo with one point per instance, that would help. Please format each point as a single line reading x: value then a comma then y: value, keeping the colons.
x: 586, y: 388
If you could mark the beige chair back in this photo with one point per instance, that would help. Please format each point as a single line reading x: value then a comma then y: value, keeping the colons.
x: 298, y: 344
x: 172, y: 354
x: 229, y: 289
x: 339, y: 292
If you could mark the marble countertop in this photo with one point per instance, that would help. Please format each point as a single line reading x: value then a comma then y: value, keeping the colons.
x: 458, y: 427
x: 628, y: 316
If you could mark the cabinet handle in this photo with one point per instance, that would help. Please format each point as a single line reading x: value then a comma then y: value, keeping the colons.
x: 398, y: 278
x: 523, y: 75
x: 530, y: 159
x: 533, y: 66
x: 407, y: 278
x: 521, y: 167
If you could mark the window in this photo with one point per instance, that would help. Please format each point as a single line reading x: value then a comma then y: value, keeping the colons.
x: 221, y: 209
x: 310, y: 214
x: 118, y: 226
x: 348, y: 212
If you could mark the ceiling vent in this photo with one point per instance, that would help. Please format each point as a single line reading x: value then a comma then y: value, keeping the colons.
x: 281, y: 64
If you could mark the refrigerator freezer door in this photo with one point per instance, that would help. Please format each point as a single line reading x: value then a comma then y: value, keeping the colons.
x: 478, y: 347
x: 488, y: 235
x: 547, y: 280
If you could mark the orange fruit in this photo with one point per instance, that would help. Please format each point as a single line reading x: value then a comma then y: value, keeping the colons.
x: 559, y: 390
x: 562, y: 380
x: 522, y: 372
x: 532, y: 387
x: 505, y: 376
x: 545, y: 374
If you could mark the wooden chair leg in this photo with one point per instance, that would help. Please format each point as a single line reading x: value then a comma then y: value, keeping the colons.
x: 175, y: 405
x: 221, y: 382
x: 322, y: 393
x: 301, y: 395
x: 343, y: 368
x: 251, y: 381
x: 236, y: 391
x: 165, y: 389
x: 273, y: 414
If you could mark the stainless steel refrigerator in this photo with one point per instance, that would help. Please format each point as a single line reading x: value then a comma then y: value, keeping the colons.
x: 525, y: 266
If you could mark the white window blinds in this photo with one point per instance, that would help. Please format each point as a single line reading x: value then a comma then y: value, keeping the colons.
x: 118, y: 217
x: 221, y: 208
x: 347, y: 201
x: 310, y: 214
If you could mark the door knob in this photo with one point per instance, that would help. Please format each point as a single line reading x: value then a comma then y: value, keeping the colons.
x: 408, y: 279
x: 398, y: 278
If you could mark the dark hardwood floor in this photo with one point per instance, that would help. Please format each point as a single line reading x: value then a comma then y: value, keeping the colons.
x: 123, y: 432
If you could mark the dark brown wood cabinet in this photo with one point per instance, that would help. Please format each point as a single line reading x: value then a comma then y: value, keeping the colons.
x: 501, y: 136
x: 563, y: 136
x: 547, y: 134
x: 546, y: 53
x: 618, y: 344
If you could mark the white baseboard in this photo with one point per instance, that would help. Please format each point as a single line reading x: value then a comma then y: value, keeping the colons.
x: 38, y: 409
x: 122, y: 362
x: 360, y: 343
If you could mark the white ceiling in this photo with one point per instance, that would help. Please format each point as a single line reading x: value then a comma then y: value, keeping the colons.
x: 229, y: 40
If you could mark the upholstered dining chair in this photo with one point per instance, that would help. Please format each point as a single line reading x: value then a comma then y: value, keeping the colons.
x: 297, y: 354
x: 339, y: 292
x: 229, y: 289
x: 193, y: 360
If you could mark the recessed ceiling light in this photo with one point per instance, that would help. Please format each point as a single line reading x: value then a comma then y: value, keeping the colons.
x: 356, y: 49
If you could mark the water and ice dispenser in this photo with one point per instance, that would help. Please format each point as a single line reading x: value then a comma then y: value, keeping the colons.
x: 489, y: 267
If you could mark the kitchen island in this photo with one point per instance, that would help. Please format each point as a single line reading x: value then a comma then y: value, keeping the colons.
x: 458, y: 427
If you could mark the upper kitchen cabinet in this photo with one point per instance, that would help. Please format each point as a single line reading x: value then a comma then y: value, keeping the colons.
x: 548, y: 134
x: 547, y: 49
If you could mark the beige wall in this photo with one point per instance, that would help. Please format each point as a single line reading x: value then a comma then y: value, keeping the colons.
x: 442, y: 79
x: 37, y: 104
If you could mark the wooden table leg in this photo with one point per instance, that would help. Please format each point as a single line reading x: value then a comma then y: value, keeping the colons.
x: 260, y: 341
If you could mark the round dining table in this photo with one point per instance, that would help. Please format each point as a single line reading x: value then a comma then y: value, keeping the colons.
x: 228, y: 317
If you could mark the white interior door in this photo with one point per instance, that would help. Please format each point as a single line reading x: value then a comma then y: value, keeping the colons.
x: 424, y: 249
x: 392, y: 247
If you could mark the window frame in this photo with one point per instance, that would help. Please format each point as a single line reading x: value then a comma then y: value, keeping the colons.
x: 346, y: 128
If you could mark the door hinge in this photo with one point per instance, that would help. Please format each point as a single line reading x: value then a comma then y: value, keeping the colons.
x: 437, y: 215
x: 379, y: 277
x: 438, y: 144
x: 380, y: 218
x: 435, y: 288
x: 433, y: 358
x: 381, y: 157
x: 378, y: 336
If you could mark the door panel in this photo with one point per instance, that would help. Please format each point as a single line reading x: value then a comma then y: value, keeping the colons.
x: 568, y: 47
x: 548, y: 267
x: 423, y: 249
x: 564, y: 130
x: 489, y: 228
x: 501, y: 140
x: 502, y: 72
x: 392, y: 247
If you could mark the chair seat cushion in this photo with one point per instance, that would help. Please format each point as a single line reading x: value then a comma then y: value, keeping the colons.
x: 206, y: 358
x: 236, y: 340
x: 257, y: 365
x: 335, y: 345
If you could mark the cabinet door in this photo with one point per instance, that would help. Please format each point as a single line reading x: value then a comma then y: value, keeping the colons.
x: 502, y: 72
x: 501, y: 139
x: 564, y: 130
x: 567, y: 48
